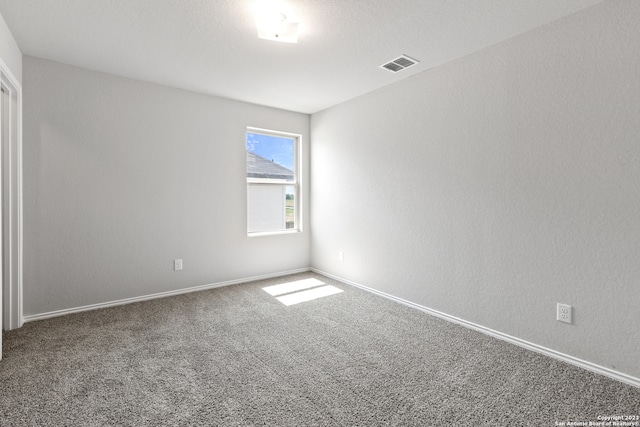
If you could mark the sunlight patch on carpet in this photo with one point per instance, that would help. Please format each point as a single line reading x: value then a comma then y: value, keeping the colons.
x: 311, y: 294
x: 297, y: 285
x: 298, y: 291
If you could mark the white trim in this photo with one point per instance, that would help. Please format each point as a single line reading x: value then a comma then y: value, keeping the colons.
x: 4, y: 68
x: 273, y: 233
x: 270, y: 181
x: 63, y: 312
x: 2, y: 290
x: 272, y: 132
x: 12, y: 192
x: 627, y: 379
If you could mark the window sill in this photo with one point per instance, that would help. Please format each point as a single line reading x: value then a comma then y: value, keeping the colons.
x: 273, y: 233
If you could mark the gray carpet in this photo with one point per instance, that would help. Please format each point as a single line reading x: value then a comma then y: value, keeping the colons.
x: 236, y: 356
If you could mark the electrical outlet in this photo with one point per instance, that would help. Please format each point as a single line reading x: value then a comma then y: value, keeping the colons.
x: 564, y: 313
x: 340, y: 255
x: 177, y: 264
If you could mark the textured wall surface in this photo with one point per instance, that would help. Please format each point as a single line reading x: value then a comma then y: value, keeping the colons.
x: 9, y: 51
x: 497, y: 185
x: 122, y: 177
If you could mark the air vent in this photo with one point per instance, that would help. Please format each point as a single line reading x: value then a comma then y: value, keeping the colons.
x: 399, y: 64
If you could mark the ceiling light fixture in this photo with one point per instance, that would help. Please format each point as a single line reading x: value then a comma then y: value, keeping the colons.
x: 276, y: 27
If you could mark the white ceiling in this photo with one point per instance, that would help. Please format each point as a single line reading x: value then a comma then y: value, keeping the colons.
x: 211, y: 46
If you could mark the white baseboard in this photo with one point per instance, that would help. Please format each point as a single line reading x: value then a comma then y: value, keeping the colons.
x: 66, y: 311
x: 627, y: 379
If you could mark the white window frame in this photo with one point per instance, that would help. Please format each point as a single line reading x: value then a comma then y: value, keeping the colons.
x: 297, y: 200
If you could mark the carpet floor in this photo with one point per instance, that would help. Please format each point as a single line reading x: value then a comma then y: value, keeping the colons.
x: 237, y: 356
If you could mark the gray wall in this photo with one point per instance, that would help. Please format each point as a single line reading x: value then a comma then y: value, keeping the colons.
x: 121, y: 177
x: 9, y: 51
x: 495, y: 186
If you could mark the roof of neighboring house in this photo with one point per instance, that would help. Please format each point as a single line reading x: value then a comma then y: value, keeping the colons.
x: 259, y: 167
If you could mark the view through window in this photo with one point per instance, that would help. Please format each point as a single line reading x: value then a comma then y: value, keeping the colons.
x: 272, y: 181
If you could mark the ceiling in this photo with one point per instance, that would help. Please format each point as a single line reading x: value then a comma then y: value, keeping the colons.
x: 211, y: 46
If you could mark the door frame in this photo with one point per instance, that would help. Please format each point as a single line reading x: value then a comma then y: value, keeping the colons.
x: 11, y: 178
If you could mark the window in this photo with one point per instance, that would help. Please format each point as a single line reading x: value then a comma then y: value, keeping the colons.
x: 273, y: 188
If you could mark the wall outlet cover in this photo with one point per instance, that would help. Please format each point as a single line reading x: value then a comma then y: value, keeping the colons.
x: 564, y: 313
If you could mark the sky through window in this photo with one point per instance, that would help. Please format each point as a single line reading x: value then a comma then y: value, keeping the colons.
x: 279, y: 149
